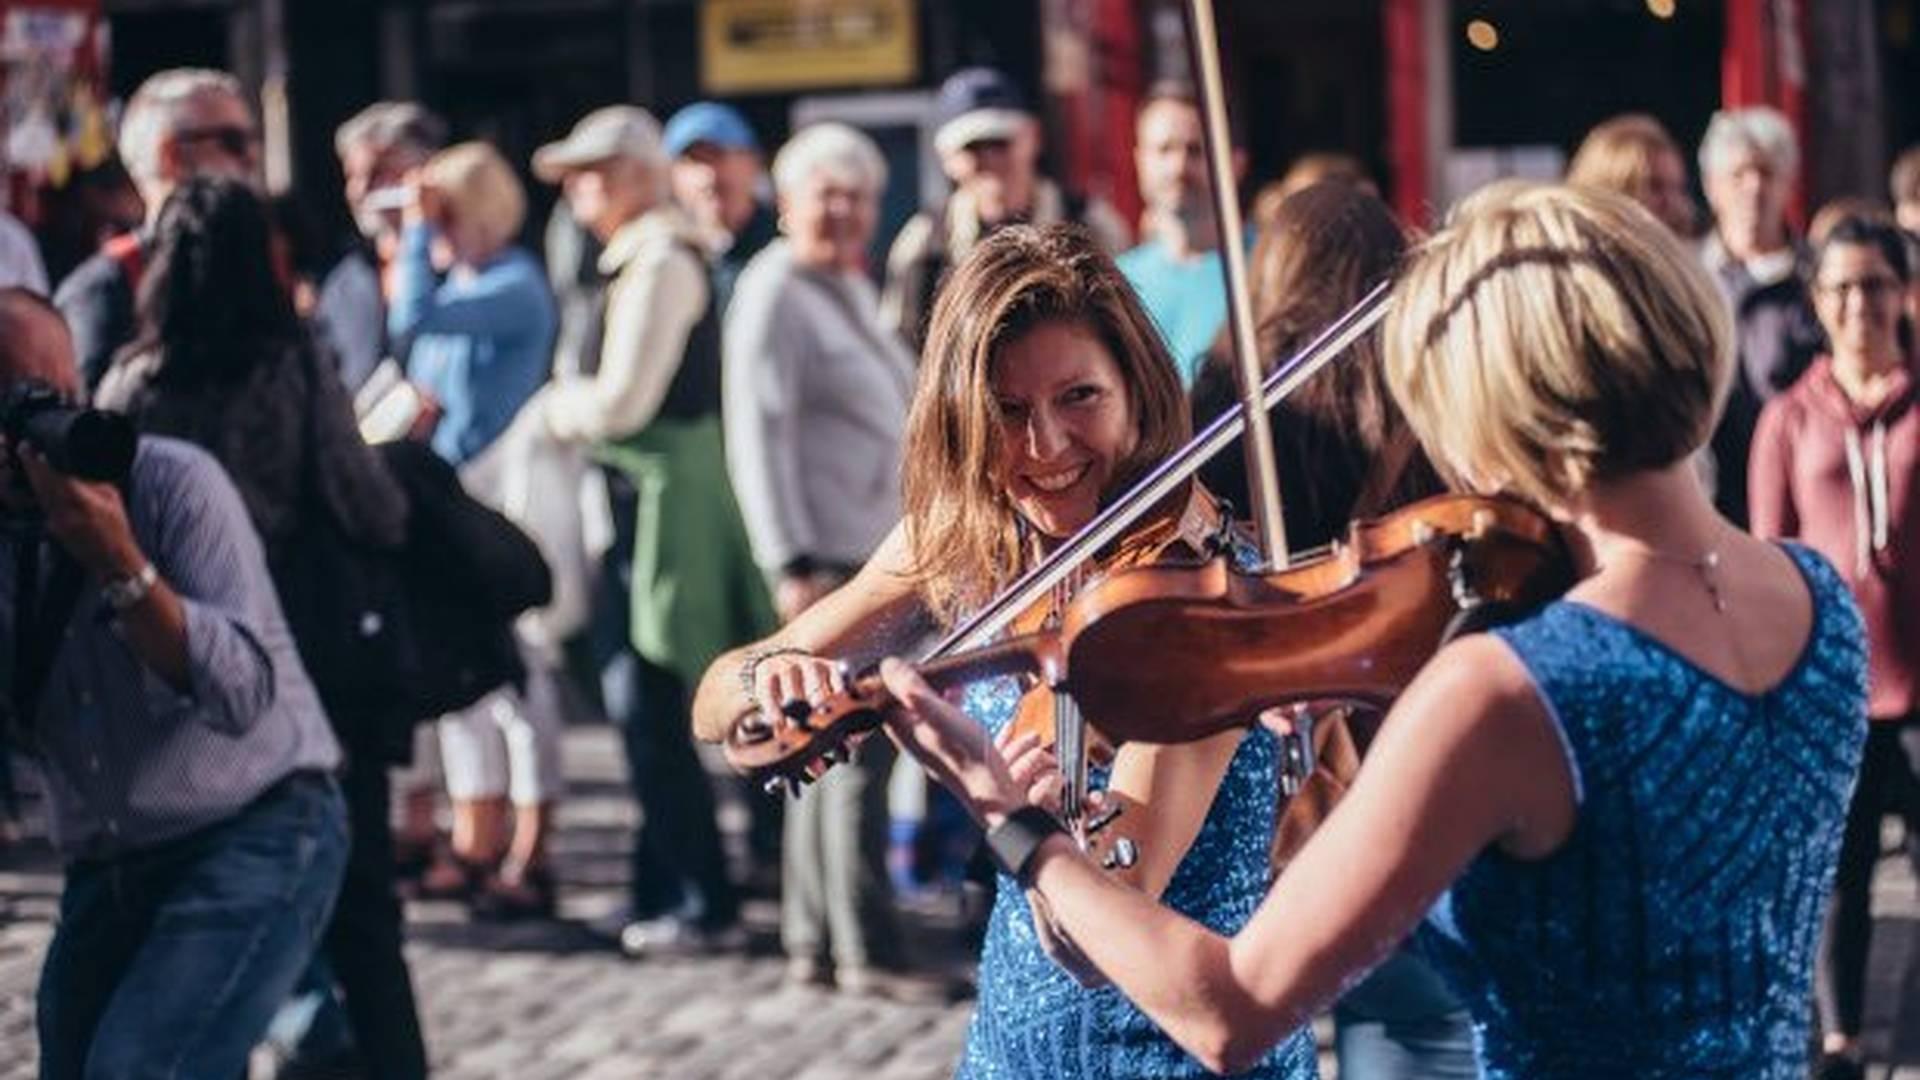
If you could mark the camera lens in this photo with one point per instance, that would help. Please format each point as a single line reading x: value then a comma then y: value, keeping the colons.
x: 84, y: 443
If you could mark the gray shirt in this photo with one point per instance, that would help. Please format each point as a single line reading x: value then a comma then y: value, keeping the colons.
x: 131, y: 762
x: 815, y: 393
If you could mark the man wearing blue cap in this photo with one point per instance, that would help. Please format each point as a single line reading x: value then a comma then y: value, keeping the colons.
x: 989, y: 146
x: 718, y: 178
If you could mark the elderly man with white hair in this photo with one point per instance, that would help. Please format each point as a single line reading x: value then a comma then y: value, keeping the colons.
x: 1748, y: 162
x: 650, y: 408
x: 817, y: 389
x: 180, y: 123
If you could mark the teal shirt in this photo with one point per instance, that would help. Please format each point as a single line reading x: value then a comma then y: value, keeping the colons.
x: 1187, y: 299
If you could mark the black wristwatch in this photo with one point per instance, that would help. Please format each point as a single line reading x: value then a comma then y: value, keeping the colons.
x: 1013, y: 842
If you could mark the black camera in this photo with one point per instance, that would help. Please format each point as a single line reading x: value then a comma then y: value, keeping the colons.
x: 83, y: 443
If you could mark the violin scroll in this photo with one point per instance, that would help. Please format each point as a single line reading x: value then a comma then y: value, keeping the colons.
x: 810, y: 739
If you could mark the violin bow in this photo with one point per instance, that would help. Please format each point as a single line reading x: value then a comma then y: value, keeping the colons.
x: 1257, y: 396
x: 1262, y: 471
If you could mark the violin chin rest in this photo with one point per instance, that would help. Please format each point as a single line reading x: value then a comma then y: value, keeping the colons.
x: 750, y: 730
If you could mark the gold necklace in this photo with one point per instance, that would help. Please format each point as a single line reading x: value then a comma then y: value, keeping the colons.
x: 1706, y: 566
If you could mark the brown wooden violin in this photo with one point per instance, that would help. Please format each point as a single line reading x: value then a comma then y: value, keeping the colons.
x: 1171, y: 653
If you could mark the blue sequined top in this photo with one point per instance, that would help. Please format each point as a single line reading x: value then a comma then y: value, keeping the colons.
x: 1033, y: 1020
x: 1673, y: 933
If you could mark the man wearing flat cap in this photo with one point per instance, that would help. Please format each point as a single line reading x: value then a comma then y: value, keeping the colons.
x: 719, y: 180
x: 650, y: 409
x: 989, y: 146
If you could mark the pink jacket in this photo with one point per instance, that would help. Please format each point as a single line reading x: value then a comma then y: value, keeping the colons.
x: 1841, y: 479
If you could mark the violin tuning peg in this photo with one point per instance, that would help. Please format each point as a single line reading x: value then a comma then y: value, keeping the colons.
x: 1123, y: 855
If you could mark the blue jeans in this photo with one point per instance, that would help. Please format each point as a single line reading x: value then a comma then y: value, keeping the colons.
x: 170, y: 961
x: 1401, y: 1023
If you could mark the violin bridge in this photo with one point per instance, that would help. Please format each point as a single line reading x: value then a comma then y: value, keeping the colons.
x: 1296, y: 753
x: 1070, y: 748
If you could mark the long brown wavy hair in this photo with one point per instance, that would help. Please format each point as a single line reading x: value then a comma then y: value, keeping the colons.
x: 964, y: 530
x: 1345, y: 449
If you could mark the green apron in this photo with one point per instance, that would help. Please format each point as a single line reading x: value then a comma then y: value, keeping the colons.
x: 696, y: 590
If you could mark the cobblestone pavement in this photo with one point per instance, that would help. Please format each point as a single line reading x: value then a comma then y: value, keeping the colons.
x: 549, y: 1001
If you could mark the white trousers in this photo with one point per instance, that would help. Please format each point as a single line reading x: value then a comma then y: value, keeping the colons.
x: 507, y: 743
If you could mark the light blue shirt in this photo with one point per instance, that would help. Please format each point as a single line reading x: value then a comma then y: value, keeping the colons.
x: 130, y: 761
x: 481, y: 342
x: 1187, y: 299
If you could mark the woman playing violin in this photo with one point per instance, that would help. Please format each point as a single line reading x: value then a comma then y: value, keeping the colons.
x: 1043, y: 389
x: 1617, y: 817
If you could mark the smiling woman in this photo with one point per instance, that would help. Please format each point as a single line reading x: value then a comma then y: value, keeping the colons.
x: 1043, y: 391
x: 1040, y: 360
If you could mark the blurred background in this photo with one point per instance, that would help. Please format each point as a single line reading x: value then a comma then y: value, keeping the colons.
x: 1434, y: 97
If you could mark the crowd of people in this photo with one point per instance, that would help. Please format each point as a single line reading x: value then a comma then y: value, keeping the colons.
x: 749, y: 460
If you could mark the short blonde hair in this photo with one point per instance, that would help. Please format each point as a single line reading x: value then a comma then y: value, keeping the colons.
x: 1619, y: 154
x: 481, y: 188
x: 1552, y: 336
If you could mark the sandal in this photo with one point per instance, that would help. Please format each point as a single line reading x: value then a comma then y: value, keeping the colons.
x: 530, y: 894
x: 449, y: 875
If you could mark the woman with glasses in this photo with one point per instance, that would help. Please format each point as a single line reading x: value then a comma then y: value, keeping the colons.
x: 1833, y: 465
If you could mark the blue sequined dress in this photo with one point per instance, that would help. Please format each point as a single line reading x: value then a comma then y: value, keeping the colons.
x: 1673, y: 933
x: 1034, y: 1021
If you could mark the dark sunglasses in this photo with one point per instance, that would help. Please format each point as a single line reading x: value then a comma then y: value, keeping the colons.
x: 987, y: 146
x: 236, y: 141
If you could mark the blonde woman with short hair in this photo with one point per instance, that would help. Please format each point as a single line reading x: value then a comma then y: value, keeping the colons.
x: 478, y: 341
x: 478, y: 336
x: 1632, y: 154
x: 1612, y: 822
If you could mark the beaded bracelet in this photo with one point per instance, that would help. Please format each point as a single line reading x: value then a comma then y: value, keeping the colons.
x: 750, y: 667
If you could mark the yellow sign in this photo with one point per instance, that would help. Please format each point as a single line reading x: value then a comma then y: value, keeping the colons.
x: 777, y: 45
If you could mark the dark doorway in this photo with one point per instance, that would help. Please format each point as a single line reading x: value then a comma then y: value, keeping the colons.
x: 1303, y: 77
x: 1558, y: 69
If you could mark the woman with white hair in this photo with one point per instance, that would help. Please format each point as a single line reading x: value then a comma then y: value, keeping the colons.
x: 1748, y: 161
x: 815, y: 394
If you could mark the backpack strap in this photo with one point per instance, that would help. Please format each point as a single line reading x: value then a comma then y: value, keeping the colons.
x: 130, y: 252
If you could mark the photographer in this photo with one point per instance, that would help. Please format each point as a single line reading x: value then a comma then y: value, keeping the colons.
x: 187, y: 755
x: 220, y: 360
